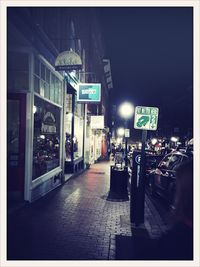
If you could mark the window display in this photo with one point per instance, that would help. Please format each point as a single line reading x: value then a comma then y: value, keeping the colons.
x: 46, y: 141
x: 77, y: 125
x: 68, y: 147
x: 78, y: 137
x: 68, y: 127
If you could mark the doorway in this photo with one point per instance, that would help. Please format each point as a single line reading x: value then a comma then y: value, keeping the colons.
x: 16, y: 125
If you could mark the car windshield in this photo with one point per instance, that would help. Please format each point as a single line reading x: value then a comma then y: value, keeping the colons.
x: 165, y: 161
x: 174, y: 160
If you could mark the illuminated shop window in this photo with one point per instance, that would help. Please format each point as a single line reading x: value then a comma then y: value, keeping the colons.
x: 46, y: 140
x: 78, y: 137
x: 78, y: 130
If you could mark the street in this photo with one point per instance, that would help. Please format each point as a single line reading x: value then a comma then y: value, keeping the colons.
x: 98, y: 116
x: 76, y: 222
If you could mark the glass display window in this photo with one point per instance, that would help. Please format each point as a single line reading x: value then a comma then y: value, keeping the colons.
x: 46, y: 140
x: 78, y: 137
x: 46, y: 83
x: 52, y: 88
x: 73, y: 139
x: 37, y: 67
x: 68, y: 128
x: 36, y: 84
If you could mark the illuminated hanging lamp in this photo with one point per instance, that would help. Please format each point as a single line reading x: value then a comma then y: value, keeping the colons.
x: 68, y: 61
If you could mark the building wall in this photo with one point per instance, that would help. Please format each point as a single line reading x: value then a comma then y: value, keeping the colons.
x: 32, y: 78
x: 78, y: 29
x: 41, y: 34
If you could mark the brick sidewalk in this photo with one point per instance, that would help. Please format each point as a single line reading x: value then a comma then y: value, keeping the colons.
x: 76, y: 222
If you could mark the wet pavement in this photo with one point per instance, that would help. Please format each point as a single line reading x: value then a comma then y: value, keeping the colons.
x: 76, y: 222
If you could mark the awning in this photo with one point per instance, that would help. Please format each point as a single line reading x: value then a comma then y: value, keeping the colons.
x: 68, y: 60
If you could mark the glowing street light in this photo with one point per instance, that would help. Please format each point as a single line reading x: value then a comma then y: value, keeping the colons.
x: 120, y: 131
x: 119, y: 140
x: 126, y: 110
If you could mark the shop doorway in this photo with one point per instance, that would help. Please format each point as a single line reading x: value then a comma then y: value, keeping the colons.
x: 16, y: 120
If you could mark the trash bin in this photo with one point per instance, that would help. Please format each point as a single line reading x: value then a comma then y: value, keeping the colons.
x: 118, y: 184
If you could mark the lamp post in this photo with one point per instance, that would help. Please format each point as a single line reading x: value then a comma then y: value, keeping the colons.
x: 126, y: 111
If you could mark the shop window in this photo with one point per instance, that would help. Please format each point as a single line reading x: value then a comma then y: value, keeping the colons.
x: 48, y: 76
x: 43, y: 72
x: 36, y: 84
x: 37, y: 66
x: 56, y: 93
x: 42, y: 86
x: 46, y: 140
x: 68, y: 127
x: 46, y: 83
x: 68, y: 147
x: 78, y: 137
x: 52, y: 88
x: 60, y: 93
x: 46, y: 90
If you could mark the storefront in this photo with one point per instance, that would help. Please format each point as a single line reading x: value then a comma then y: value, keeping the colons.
x: 47, y: 128
x: 34, y: 106
x: 97, y: 139
x: 74, y: 127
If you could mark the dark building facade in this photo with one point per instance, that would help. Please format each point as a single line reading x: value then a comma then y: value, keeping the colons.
x: 49, y: 132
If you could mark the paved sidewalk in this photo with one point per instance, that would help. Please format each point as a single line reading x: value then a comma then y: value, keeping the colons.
x: 76, y: 222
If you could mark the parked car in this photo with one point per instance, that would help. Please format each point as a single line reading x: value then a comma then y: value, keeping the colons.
x: 190, y: 145
x: 152, y: 158
x: 152, y: 161
x: 162, y: 179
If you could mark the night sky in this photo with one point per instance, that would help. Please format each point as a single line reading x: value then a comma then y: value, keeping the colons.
x: 151, y: 54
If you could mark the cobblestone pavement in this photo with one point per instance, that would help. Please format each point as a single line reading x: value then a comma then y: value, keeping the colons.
x: 75, y: 221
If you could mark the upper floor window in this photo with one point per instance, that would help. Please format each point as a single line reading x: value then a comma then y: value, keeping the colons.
x: 46, y: 83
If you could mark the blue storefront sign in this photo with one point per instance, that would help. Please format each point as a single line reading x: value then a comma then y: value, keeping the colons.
x: 89, y: 92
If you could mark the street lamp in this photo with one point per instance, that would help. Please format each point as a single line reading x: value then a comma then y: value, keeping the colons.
x: 126, y: 111
x: 120, y: 131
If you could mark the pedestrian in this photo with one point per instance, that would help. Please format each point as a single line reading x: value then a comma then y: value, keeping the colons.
x: 177, y: 243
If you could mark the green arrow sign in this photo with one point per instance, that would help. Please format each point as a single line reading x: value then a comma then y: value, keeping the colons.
x: 142, y: 121
x: 146, y: 118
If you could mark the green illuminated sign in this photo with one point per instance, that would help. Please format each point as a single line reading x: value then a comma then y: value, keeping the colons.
x: 146, y: 118
x: 89, y: 92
